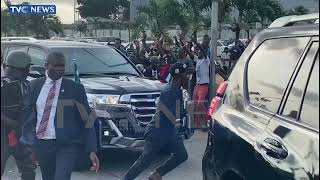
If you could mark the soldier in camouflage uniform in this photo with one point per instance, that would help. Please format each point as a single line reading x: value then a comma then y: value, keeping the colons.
x: 14, y: 91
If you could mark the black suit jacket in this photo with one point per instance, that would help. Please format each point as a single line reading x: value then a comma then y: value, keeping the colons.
x: 148, y: 73
x: 74, y: 120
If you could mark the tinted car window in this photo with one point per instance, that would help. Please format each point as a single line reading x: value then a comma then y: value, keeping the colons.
x: 294, y: 100
x: 96, y: 60
x: 270, y: 69
x: 310, y: 108
x: 13, y: 48
x: 38, y: 56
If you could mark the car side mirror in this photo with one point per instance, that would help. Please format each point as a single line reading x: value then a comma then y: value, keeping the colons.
x: 37, y: 71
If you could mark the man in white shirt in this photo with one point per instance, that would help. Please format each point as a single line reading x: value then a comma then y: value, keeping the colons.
x: 153, y: 71
x: 63, y: 128
x: 202, y: 88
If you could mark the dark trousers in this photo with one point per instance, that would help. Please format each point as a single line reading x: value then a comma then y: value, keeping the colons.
x: 154, y: 146
x: 56, y: 161
x: 22, y: 156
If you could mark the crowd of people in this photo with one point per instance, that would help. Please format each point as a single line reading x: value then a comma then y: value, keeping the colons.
x: 155, y: 60
x: 29, y: 109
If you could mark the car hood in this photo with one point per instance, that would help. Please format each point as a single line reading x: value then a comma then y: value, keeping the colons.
x: 120, y: 85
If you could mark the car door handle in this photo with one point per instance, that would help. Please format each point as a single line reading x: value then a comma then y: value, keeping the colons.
x: 274, y: 148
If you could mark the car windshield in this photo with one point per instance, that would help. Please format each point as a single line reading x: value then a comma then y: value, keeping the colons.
x: 96, y: 61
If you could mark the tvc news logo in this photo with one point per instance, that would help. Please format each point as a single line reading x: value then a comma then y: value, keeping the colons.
x: 32, y: 9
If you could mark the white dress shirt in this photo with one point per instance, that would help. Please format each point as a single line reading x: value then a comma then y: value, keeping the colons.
x: 154, y: 73
x: 203, y: 71
x: 41, y: 103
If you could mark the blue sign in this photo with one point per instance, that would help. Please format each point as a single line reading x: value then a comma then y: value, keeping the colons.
x: 32, y: 9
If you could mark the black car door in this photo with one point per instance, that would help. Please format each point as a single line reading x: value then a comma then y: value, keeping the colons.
x: 291, y: 143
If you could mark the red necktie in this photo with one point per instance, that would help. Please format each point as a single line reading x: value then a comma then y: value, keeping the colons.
x: 46, y: 113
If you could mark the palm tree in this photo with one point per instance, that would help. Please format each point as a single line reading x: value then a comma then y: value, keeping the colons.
x: 267, y: 11
x: 242, y: 6
x: 139, y: 25
x: 249, y: 19
x: 54, y: 24
x: 192, y: 11
x: 155, y: 16
x: 6, y: 22
x: 160, y: 14
x: 96, y: 24
x: 103, y: 26
x: 225, y: 8
x: 224, y: 13
x: 300, y: 10
x: 81, y: 27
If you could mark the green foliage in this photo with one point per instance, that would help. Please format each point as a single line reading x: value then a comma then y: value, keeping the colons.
x: 225, y: 9
x: 139, y: 25
x: 81, y: 27
x: 161, y: 14
x: 268, y: 11
x: 110, y: 9
x: 300, y: 10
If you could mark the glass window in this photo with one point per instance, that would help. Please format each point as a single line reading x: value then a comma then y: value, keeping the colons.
x: 294, y: 100
x: 270, y: 69
x: 96, y: 60
x: 13, y: 48
x: 310, y: 108
x: 38, y: 56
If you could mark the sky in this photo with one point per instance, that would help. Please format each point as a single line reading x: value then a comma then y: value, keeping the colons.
x: 64, y: 7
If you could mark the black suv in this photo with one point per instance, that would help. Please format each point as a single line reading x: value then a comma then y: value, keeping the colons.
x: 122, y: 97
x: 265, y: 117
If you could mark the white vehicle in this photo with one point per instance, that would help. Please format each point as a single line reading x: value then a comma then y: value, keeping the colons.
x: 295, y: 20
x: 17, y: 38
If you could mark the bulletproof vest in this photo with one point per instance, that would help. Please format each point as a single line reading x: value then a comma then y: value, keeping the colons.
x: 13, y: 93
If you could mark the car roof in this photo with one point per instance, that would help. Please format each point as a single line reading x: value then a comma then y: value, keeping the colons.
x: 284, y: 21
x: 54, y: 43
x: 10, y: 37
x: 306, y: 30
x: 284, y: 32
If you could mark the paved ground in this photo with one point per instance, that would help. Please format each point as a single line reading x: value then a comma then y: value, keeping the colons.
x: 116, y: 163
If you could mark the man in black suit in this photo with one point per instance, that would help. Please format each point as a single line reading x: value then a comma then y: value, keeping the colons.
x: 64, y: 123
x: 153, y: 71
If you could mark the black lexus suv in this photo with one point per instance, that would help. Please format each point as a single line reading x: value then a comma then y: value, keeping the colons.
x: 122, y: 97
x: 265, y: 117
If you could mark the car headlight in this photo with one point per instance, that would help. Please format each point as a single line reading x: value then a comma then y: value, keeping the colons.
x: 102, y: 99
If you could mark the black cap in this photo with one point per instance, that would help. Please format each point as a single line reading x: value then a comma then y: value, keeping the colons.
x: 177, y: 69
